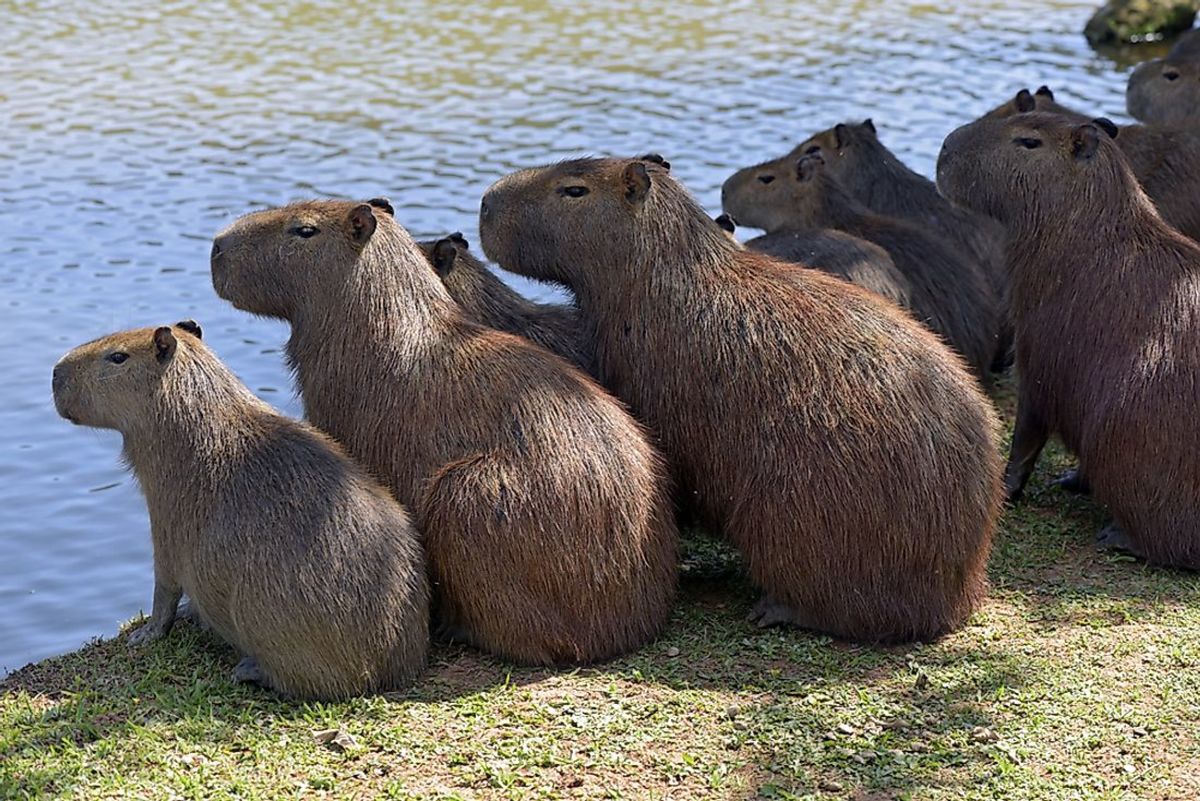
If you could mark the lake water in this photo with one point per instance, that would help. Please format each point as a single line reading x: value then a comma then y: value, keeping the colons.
x: 132, y: 131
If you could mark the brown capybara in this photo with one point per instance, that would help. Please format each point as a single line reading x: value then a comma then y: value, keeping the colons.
x: 1187, y: 45
x: 287, y: 549
x: 1107, y: 301
x: 838, y: 444
x: 834, y: 252
x: 1165, y: 92
x: 947, y: 291
x: 1165, y: 160
x: 870, y: 173
x: 489, y: 301
x: 545, y: 513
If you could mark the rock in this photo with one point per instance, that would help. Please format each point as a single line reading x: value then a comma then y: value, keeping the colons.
x: 1122, y: 21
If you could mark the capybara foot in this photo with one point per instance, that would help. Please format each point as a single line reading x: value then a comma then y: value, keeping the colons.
x: 248, y: 672
x: 769, y: 612
x: 452, y: 634
x: 148, y: 633
x: 1013, y: 494
x: 1113, y: 538
x: 188, y: 611
x: 1074, y: 481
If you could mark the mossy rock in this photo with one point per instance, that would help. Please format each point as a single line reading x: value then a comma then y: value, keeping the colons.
x: 1121, y: 21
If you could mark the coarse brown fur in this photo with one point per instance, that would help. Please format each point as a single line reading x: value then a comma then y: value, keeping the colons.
x: 1107, y: 300
x: 546, y: 516
x: 1165, y: 92
x: 489, y: 301
x: 837, y: 443
x: 286, y: 547
x: 1165, y: 160
x: 837, y: 253
x: 870, y: 173
x: 947, y: 291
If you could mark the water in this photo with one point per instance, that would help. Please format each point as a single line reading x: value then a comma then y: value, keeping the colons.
x: 131, y: 131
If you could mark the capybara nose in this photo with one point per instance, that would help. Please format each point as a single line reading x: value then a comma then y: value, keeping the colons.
x: 57, y: 380
x: 216, y: 250
x: 485, y: 208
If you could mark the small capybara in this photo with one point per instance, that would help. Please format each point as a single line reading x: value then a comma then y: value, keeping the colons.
x: 1165, y: 92
x: 837, y: 443
x: 544, y: 508
x: 947, y: 290
x: 870, y: 173
x: 1165, y: 160
x: 1094, y: 265
x: 834, y: 252
x: 287, y: 549
x: 489, y: 301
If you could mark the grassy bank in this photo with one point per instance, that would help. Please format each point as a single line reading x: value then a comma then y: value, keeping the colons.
x: 1080, y: 679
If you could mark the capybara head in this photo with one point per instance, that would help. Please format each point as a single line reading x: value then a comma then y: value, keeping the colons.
x: 547, y: 222
x: 112, y: 382
x: 270, y: 261
x: 757, y: 195
x: 1164, y: 92
x: 1033, y: 168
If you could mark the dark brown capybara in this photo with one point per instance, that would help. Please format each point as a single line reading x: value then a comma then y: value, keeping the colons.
x: 546, y: 515
x: 837, y: 443
x: 947, y: 290
x: 1107, y: 301
x: 834, y: 252
x: 1165, y: 160
x: 287, y: 549
x: 1165, y: 92
x: 869, y: 172
x: 489, y: 301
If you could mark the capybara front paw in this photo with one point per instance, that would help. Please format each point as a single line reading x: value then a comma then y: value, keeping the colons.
x: 769, y: 612
x: 146, y: 634
x: 247, y: 671
x: 1113, y: 538
x: 1074, y: 481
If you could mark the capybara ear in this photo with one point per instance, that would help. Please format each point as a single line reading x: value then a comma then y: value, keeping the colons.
x: 384, y: 204
x: 1085, y: 141
x: 362, y: 223
x: 460, y: 240
x: 1106, y: 125
x: 1024, y: 101
x: 164, y: 343
x: 636, y: 181
x: 841, y: 135
x: 808, y: 166
x: 726, y: 223
x: 445, y: 253
x: 655, y: 158
x: 869, y: 124
x: 192, y: 327
x: 1044, y: 91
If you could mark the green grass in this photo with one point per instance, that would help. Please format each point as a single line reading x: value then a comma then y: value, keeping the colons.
x: 1080, y: 679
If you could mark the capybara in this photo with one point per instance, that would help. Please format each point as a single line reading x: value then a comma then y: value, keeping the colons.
x: 287, y: 549
x: 1165, y: 160
x: 947, y: 291
x: 1165, y: 92
x: 870, y: 173
x: 489, y: 301
x: 1107, y: 301
x: 545, y: 513
x: 838, y: 444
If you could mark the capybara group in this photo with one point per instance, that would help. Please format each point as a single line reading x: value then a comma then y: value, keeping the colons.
x: 946, y: 290
x: 544, y: 509
x: 489, y: 301
x: 840, y: 446
x: 287, y: 549
x: 1106, y: 298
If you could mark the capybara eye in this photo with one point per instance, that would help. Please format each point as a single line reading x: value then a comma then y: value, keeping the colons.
x: 766, y: 179
x: 117, y: 357
x: 812, y: 149
x: 1171, y: 75
x: 575, y: 191
x: 305, y: 231
x: 1027, y: 143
